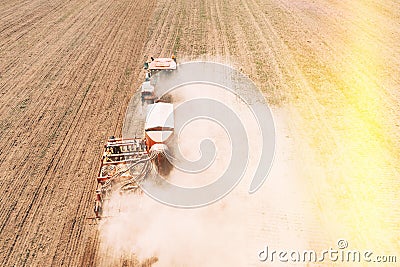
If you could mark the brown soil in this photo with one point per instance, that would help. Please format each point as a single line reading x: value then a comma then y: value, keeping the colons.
x: 329, y: 70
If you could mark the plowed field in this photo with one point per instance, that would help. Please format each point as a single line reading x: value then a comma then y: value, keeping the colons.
x: 328, y: 69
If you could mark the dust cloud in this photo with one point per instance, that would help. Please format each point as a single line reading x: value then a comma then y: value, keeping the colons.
x: 209, y: 236
x: 219, y: 234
